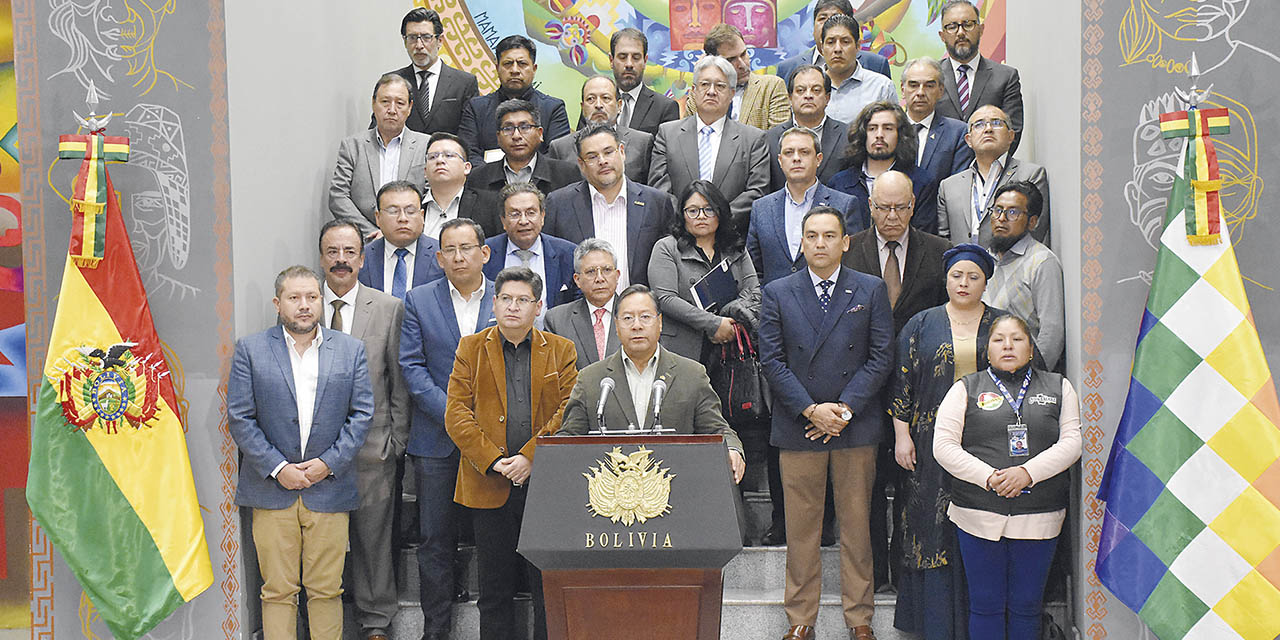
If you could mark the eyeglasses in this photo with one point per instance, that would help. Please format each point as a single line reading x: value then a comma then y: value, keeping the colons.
x: 707, y: 85
x: 458, y: 250
x: 1006, y: 214
x: 424, y: 38
x: 523, y: 128
x: 894, y: 209
x: 967, y: 25
x: 644, y: 319
x: 395, y: 212
x: 442, y: 155
x: 597, y: 272
x: 510, y: 302
x: 699, y: 212
x: 994, y: 125
x: 593, y: 158
x: 531, y: 214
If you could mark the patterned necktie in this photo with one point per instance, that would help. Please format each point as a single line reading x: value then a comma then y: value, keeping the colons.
x: 598, y: 329
x: 526, y: 257
x: 705, y: 166
x: 399, y: 277
x: 624, y: 117
x: 962, y: 87
x: 335, y: 322
x: 424, y: 94
x: 824, y: 298
x: 893, y: 272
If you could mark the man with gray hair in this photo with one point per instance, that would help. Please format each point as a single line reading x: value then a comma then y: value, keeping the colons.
x: 600, y: 106
x: 942, y: 151
x: 588, y: 322
x: 730, y: 154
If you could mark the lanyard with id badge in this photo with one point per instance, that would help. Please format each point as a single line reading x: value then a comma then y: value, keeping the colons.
x: 1018, y: 446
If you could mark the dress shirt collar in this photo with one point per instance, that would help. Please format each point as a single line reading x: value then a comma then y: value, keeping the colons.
x: 716, y: 127
x: 394, y: 142
x: 859, y: 75
x: 529, y: 168
x: 808, y: 195
x: 389, y: 250
x: 973, y: 65
x: 591, y: 309
x: 349, y: 297
x: 881, y: 241
x: 1020, y: 247
x: 536, y: 247
x: 434, y: 69
x: 315, y: 343
x: 597, y: 197
x: 997, y: 167
x: 635, y: 95
x: 835, y: 275
x: 927, y: 121
x: 818, y: 129
x: 430, y: 198
x: 627, y: 362
x: 457, y: 295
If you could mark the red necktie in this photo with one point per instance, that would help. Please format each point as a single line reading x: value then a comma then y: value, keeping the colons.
x: 598, y: 329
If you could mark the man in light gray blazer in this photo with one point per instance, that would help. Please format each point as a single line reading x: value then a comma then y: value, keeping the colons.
x: 600, y: 106
x: 596, y: 273
x: 738, y: 162
x: 369, y: 159
x: 299, y: 403
x: 990, y: 136
x: 374, y: 318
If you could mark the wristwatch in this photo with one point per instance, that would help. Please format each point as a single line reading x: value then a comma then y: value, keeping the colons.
x: 846, y: 414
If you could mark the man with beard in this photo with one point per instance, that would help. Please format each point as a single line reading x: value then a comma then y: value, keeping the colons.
x: 639, y: 107
x: 1028, y: 277
x: 882, y: 140
x: 374, y: 318
x: 970, y: 80
x: 600, y: 106
x: 440, y: 91
x: 517, y: 63
x: 299, y: 403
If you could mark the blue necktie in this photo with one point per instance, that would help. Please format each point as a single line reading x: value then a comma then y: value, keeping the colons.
x: 399, y: 277
x: 705, y: 167
x: 824, y: 298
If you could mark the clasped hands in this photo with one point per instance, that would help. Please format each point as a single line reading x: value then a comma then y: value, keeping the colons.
x: 298, y: 476
x: 516, y: 468
x: 825, y: 421
x: 1009, y: 482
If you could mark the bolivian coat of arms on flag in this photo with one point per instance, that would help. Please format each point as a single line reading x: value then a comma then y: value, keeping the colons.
x: 110, y: 480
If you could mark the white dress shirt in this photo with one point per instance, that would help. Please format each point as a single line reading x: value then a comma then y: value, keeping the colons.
x: 736, y: 109
x: 817, y: 287
x: 882, y: 250
x: 539, y: 265
x: 923, y: 135
x: 388, y: 158
x: 389, y: 265
x: 436, y: 215
x: 348, y: 310
x: 433, y: 80
x: 793, y: 216
x: 973, y: 70
x: 610, y: 220
x: 306, y: 375
x: 641, y: 384
x: 466, y: 310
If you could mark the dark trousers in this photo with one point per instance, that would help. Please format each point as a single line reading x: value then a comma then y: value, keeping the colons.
x: 886, y: 545
x: 1006, y: 585
x: 500, y: 567
x: 437, y: 516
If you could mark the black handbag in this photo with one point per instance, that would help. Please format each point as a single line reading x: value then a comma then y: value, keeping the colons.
x: 739, y: 381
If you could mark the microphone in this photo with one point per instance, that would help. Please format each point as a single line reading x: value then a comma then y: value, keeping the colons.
x: 659, y: 390
x: 606, y: 387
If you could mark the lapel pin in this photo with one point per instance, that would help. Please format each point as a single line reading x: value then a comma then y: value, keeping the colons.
x: 638, y: 203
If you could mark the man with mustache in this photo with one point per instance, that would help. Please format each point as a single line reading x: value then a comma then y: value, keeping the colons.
x: 374, y: 318
x: 970, y: 80
x: 600, y: 104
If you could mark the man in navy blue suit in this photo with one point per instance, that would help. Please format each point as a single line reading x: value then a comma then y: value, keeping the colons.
x: 410, y: 259
x: 299, y: 403
x: 822, y: 10
x: 826, y: 346
x: 773, y: 238
x: 436, y: 317
x: 942, y: 150
x: 630, y: 216
x: 523, y: 244
x: 517, y: 63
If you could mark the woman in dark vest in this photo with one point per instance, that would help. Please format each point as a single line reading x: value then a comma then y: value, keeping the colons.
x: 936, y: 348
x: 1007, y: 435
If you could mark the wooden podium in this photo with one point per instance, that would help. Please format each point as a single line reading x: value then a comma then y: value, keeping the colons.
x: 631, y: 534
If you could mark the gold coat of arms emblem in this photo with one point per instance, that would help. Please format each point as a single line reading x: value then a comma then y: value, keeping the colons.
x: 628, y: 488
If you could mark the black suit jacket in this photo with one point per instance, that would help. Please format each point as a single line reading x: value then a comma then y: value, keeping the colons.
x: 481, y: 206
x: 851, y: 181
x: 924, y: 283
x: 549, y: 174
x: 479, y: 125
x: 453, y: 90
x: 835, y: 137
x: 649, y: 212
x: 651, y: 109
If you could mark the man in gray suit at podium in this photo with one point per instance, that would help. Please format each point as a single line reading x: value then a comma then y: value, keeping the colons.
x: 648, y: 381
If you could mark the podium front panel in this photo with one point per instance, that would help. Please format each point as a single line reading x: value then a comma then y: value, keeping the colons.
x: 631, y: 502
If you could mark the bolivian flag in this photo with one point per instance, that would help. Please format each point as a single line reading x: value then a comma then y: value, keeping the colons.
x: 110, y: 481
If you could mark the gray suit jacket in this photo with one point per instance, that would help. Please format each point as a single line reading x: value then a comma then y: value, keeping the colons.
x: 685, y: 326
x: 993, y: 83
x: 955, y: 203
x: 376, y: 322
x: 690, y: 406
x: 573, y: 320
x: 639, y: 149
x: 742, y: 164
x: 353, y: 189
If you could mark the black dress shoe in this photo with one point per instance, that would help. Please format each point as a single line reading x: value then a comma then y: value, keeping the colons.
x: 776, y: 535
x: 461, y: 595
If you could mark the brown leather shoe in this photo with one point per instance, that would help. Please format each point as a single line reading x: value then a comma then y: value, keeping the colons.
x: 862, y: 632
x: 799, y: 632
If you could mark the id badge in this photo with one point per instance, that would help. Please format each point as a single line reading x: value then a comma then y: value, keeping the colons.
x: 1018, y: 440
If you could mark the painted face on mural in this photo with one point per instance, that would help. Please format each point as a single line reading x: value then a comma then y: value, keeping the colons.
x: 756, y: 19
x: 690, y: 21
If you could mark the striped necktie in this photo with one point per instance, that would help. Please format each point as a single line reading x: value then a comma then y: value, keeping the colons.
x: 705, y: 165
x: 962, y: 87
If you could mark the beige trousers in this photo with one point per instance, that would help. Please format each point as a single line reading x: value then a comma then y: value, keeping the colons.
x: 299, y: 547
